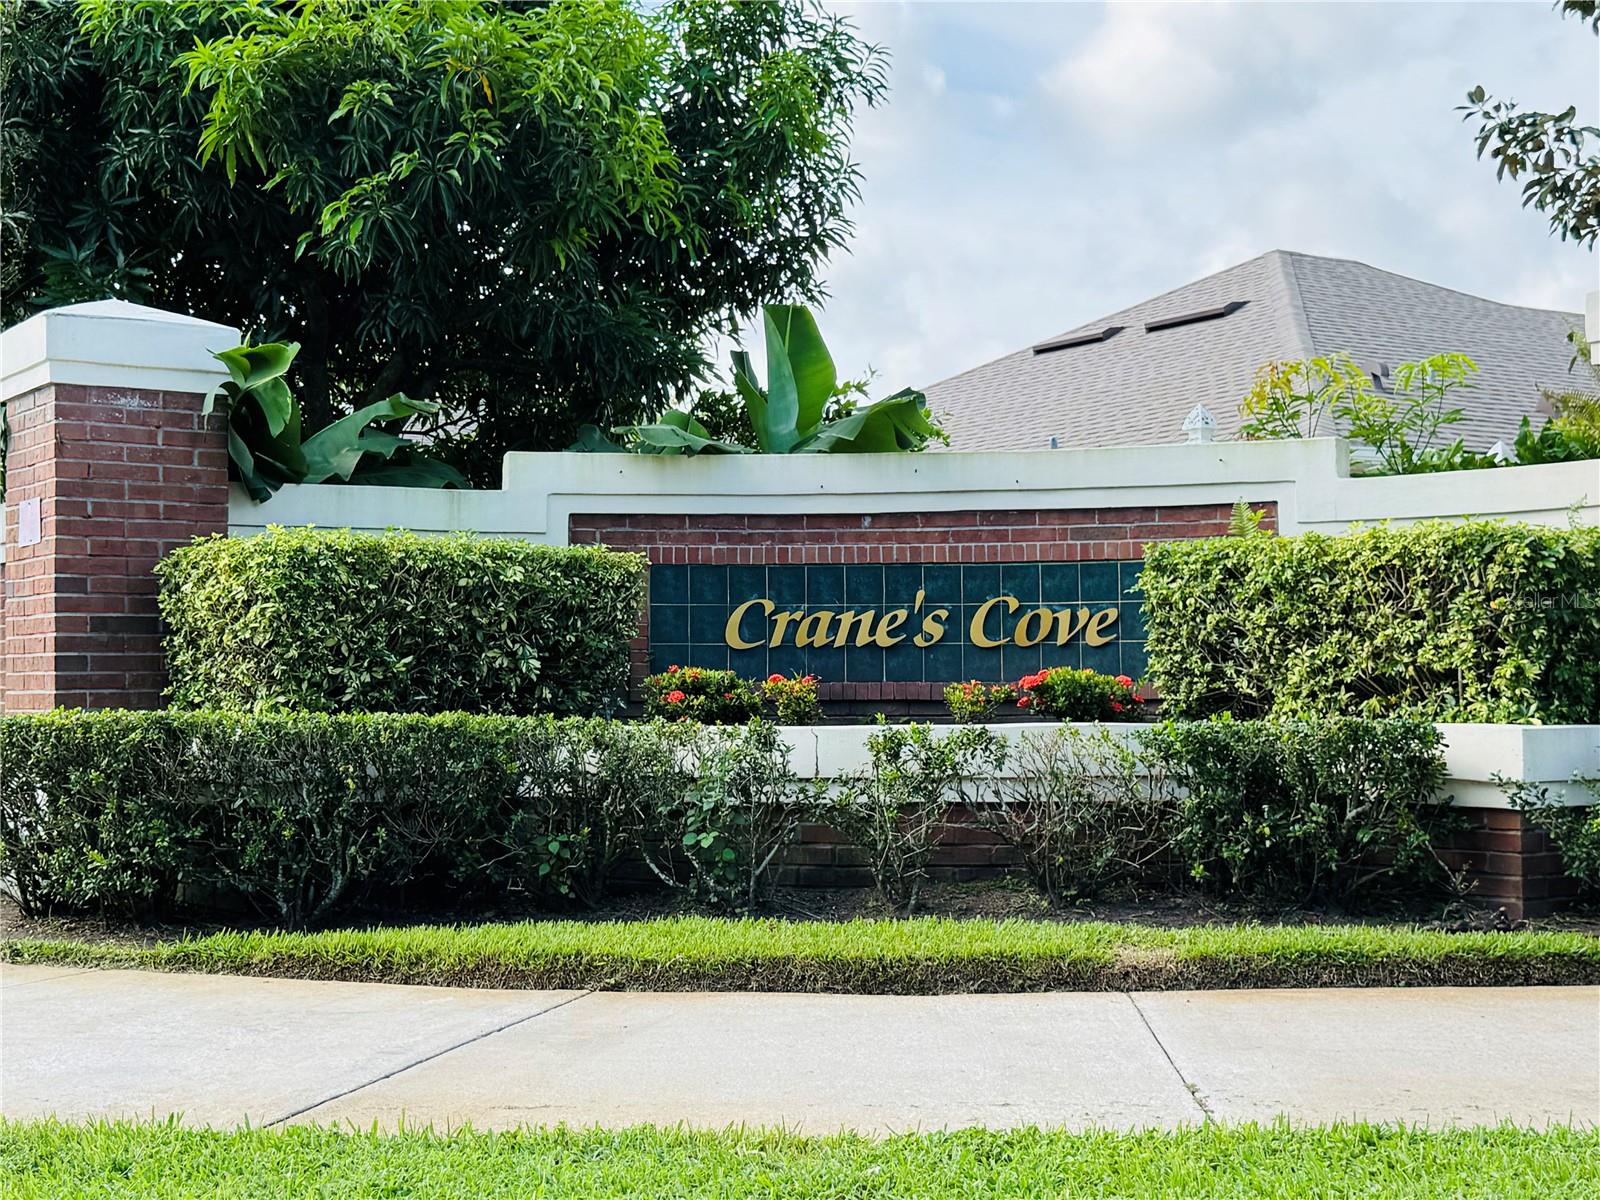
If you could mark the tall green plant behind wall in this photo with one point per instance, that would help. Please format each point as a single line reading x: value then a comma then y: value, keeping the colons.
x: 1475, y: 621
x: 335, y: 621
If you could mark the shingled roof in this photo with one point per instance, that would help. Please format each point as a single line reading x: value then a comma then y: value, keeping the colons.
x: 1130, y: 378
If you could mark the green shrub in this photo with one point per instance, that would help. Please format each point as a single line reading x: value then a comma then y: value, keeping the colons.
x: 973, y: 702
x: 703, y: 694
x: 794, y: 697
x: 896, y: 809
x: 1078, y: 694
x: 300, y: 814
x: 1303, y: 811
x: 1475, y: 621
x: 1084, y: 811
x: 722, y: 838
x: 1573, y: 828
x: 335, y: 621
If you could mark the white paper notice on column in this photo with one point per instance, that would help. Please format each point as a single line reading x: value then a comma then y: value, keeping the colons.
x: 28, y: 533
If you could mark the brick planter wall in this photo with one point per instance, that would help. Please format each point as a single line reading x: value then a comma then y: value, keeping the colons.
x: 1509, y: 862
x: 121, y: 476
x: 991, y: 536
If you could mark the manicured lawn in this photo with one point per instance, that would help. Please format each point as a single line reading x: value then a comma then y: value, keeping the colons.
x: 924, y: 956
x: 59, y: 1161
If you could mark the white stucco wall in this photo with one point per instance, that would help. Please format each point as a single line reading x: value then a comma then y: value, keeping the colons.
x: 1309, y: 480
x: 1474, y: 755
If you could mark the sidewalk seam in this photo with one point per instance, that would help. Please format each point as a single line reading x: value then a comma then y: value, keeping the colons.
x: 1192, y: 1088
x: 53, y: 978
x: 426, y: 1058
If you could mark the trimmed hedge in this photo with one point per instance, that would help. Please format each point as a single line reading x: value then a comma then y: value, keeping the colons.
x: 299, y: 814
x: 1302, y: 811
x: 1476, y: 621
x: 295, y: 814
x: 334, y: 621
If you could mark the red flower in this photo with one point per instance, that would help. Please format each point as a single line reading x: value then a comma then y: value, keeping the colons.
x: 1024, y: 702
x: 809, y: 679
x: 672, y: 669
x: 774, y: 678
x: 676, y: 697
x: 727, y: 695
x: 1115, y: 707
x: 1124, y: 681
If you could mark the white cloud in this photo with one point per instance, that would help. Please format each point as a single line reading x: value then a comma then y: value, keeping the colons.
x: 1038, y: 166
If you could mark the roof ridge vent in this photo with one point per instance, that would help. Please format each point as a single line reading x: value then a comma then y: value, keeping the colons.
x: 1194, y: 318
x: 1079, y: 339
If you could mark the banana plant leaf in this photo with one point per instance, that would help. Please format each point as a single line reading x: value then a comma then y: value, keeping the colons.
x: 338, y: 448
x: 675, y: 432
x: 264, y: 434
x: 897, y: 422
x: 787, y: 414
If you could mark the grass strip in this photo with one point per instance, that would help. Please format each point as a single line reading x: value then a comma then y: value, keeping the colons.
x: 168, y: 1162
x: 926, y: 956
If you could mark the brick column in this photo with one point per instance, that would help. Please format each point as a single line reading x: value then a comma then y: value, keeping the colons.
x: 110, y: 466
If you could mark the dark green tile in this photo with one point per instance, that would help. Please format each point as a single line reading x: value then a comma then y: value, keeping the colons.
x: 824, y: 586
x: 826, y: 663
x: 708, y: 585
x: 1134, y: 661
x: 1052, y: 655
x: 942, y: 662
x: 1020, y: 580
x: 863, y: 664
x: 667, y: 654
x: 1099, y: 581
x: 984, y: 665
x: 980, y: 583
x: 669, y: 585
x: 751, y: 664
x: 707, y: 623
x: 1106, y: 659
x: 1128, y: 574
x: 746, y: 583
x: 863, y: 585
x: 714, y: 657
x: 669, y: 623
x: 903, y: 663
x: 942, y: 582
x: 901, y: 585
x: 1058, y: 583
x: 786, y: 586
x: 786, y: 660
x: 1018, y: 661
x: 1130, y: 624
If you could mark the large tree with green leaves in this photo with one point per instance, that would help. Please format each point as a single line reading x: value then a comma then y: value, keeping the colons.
x: 534, y: 214
x: 1549, y: 152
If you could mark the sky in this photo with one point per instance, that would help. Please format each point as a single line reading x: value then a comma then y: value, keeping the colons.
x: 1040, y: 165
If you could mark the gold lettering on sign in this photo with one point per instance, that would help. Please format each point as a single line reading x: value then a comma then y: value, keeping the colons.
x: 891, y: 621
x: 1095, y: 635
x: 980, y: 618
x: 869, y: 627
x: 860, y: 622
x: 814, y: 630
x: 731, y: 633
x: 932, y: 628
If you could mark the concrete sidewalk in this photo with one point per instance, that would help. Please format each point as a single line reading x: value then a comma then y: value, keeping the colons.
x: 222, y: 1050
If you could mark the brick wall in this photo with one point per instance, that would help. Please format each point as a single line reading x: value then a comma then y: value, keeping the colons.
x: 122, y: 476
x: 995, y: 536
x: 1509, y: 862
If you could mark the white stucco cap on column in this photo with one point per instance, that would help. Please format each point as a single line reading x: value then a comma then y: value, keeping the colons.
x: 112, y: 343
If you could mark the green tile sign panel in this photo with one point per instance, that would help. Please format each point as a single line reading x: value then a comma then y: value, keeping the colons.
x: 898, y: 623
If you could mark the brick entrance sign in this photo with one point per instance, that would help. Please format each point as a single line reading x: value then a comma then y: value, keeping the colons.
x: 110, y: 465
x: 891, y: 607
